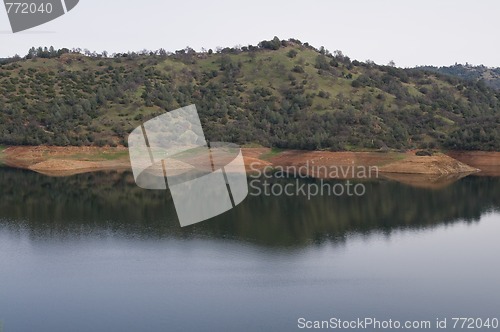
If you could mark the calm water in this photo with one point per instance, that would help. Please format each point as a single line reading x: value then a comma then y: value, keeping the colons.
x: 93, y: 252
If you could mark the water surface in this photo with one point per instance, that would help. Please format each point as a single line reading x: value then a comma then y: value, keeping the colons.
x: 93, y: 252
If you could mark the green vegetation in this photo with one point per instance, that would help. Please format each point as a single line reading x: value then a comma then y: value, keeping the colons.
x: 281, y: 94
x: 489, y: 76
x: 268, y: 155
x: 423, y: 153
x: 95, y: 156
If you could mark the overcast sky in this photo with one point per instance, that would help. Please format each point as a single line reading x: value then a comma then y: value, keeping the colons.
x: 408, y: 32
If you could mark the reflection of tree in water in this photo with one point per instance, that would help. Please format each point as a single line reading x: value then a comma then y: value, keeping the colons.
x: 111, y: 202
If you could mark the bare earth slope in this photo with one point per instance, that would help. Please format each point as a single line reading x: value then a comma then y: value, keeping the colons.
x: 487, y: 162
x: 71, y: 160
x: 436, y: 164
x: 66, y: 160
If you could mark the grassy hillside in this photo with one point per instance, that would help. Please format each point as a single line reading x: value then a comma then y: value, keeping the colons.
x: 282, y: 94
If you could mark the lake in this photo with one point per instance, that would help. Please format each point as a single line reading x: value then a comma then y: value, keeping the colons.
x: 93, y: 252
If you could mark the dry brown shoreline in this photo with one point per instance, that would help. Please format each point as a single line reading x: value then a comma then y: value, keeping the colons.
x: 487, y: 162
x: 61, y: 161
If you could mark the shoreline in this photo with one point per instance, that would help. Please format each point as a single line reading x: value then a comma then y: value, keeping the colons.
x: 65, y: 161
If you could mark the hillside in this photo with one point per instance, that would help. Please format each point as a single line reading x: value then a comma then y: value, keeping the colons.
x: 489, y: 76
x: 282, y: 94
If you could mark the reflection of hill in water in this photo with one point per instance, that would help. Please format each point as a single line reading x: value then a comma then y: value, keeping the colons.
x: 426, y: 181
x: 111, y: 202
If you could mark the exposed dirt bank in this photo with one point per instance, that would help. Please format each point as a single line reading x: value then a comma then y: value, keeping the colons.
x: 325, y: 164
x: 487, y: 162
x: 438, y: 164
x: 65, y: 160
x: 322, y: 164
x: 390, y: 162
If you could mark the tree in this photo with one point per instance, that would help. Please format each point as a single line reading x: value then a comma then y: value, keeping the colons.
x: 298, y: 69
x: 274, y: 44
x: 31, y: 53
x: 321, y: 62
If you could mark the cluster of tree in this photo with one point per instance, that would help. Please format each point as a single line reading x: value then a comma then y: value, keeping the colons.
x: 45, y: 52
x: 283, y: 94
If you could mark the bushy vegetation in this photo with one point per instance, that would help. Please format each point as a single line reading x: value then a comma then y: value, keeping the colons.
x: 489, y: 76
x: 284, y: 94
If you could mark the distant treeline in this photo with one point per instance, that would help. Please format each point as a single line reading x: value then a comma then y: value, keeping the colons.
x: 489, y: 76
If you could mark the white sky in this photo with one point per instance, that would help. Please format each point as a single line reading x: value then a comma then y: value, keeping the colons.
x: 438, y: 32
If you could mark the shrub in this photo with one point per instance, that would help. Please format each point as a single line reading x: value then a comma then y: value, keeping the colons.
x: 298, y: 69
x: 292, y: 54
x: 423, y: 153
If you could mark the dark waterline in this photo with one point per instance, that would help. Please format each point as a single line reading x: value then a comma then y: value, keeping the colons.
x: 95, y: 252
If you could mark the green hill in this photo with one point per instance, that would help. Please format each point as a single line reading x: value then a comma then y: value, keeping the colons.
x: 283, y: 94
